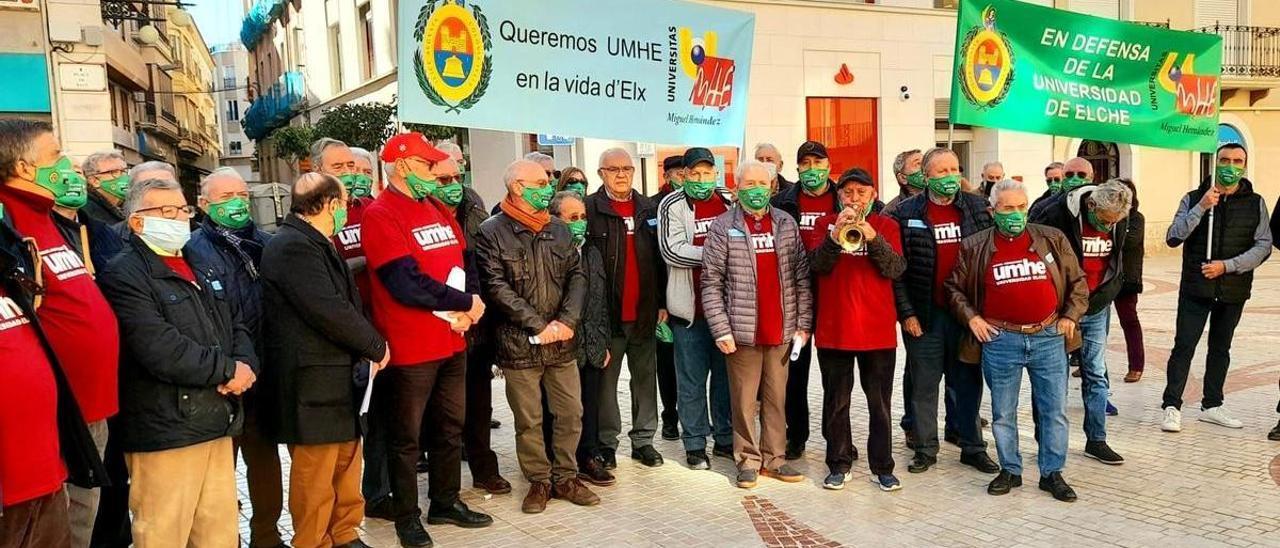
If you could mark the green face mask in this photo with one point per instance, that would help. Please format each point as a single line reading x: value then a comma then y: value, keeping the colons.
x: 420, y: 188
x: 118, y: 187
x: 538, y: 198
x: 232, y: 213
x: 1072, y: 183
x: 676, y: 184
x: 358, y: 185
x: 1054, y: 186
x: 814, y: 178
x: 946, y: 186
x: 917, y: 179
x: 1011, y: 223
x: 755, y: 199
x: 67, y: 186
x: 699, y: 190
x: 450, y: 194
x: 339, y: 220
x: 1097, y: 223
x: 579, y: 188
x: 578, y: 229
x: 1229, y: 176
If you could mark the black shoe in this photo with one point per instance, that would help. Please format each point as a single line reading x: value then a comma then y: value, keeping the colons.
x: 950, y: 436
x: 1003, y: 483
x: 794, y: 451
x: 1101, y: 452
x: 357, y: 543
x: 920, y: 463
x: 697, y: 460
x: 380, y: 509
x: 855, y: 452
x: 1058, y: 486
x: 981, y: 462
x: 725, y: 451
x: 647, y: 456
x: 984, y: 422
x: 1275, y: 433
x: 670, y: 431
x: 910, y: 438
x: 609, y: 459
x: 423, y: 465
x: 494, y: 425
x: 458, y: 514
x: 412, y: 534
x: 592, y: 471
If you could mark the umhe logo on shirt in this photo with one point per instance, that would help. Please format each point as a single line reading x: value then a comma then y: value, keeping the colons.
x: 1094, y: 247
x: 762, y: 243
x: 809, y: 219
x: 1021, y: 270
x: 349, y: 237
x: 631, y: 224
x: 947, y: 233
x: 701, y: 226
x: 63, y: 262
x: 435, y: 236
x: 11, y: 315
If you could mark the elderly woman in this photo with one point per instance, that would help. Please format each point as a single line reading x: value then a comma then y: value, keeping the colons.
x: 755, y: 291
x: 1127, y: 300
x: 573, y: 179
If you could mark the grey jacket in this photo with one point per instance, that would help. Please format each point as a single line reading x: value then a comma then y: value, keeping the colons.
x: 675, y: 242
x: 729, y: 277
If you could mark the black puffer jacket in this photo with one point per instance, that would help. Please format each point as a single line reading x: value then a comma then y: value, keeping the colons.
x: 530, y: 280
x: 913, y: 291
x: 607, y: 232
x: 1066, y: 215
x: 179, y: 343
x: 593, y: 329
x: 1135, y: 251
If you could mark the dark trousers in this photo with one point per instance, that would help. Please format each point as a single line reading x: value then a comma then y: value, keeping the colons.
x: 404, y: 395
x: 933, y: 355
x: 908, y: 423
x: 875, y: 370
x: 588, y: 444
x: 667, y: 382
x: 797, y: 404
x: 375, y: 485
x: 262, y: 470
x: 639, y: 349
x: 1127, y: 310
x: 1192, y: 315
x: 37, y: 523
x: 113, y: 528
x: 476, y: 432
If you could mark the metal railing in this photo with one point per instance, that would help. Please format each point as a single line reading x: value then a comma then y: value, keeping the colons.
x: 1157, y: 24
x: 1248, y: 51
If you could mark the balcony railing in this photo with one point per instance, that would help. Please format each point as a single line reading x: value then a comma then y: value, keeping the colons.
x: 1250, y: 52
x: 1157, y: 24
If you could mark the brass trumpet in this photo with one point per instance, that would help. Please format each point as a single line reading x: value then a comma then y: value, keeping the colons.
x: 849, y: 236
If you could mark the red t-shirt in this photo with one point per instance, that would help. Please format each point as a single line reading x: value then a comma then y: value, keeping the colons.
x: 768, y: 282
x: 811, y: 209
x: 30, y: 462
x: 348, y: 243
x: 631, y: 278
x: 180, y: 267
x: 704, y: 213
x: 858, y: 311
x: 396, y: 226
x: 1095, y: 245
x: 1018, y: 288
x: 77, y: 319
x: 945, y: 220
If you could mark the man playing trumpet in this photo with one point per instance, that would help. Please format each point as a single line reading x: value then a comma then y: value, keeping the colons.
x: 855, y: 267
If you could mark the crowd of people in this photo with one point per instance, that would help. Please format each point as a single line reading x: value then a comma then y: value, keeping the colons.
x: 148, y: 341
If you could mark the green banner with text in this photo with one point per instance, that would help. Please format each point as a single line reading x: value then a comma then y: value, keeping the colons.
x: 1029, y: 68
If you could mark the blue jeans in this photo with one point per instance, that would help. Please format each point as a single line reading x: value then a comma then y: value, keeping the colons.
x: 1044, y: 357
x: 1094, y: 384
x: 697, y: 357
x: 931, y: 357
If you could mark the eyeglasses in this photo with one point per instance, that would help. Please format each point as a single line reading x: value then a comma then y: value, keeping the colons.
x: 170, y: 211
x: 575, y: 182
x: 614, y: 170
x: 110, y: 174
x: 1053, y: 179
x: 446, y: 180
x: 1080, y: 174
x: 553, y: 174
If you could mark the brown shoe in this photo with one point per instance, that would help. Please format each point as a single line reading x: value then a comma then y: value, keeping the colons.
x: 784, y: 473
x: 574, y: 491
x: 494, y: 485
x: 536, y: 501
x: 592, y: 471
x: 1133, y: 376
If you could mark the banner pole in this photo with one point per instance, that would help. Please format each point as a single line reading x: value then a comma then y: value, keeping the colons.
x: 951, y: 132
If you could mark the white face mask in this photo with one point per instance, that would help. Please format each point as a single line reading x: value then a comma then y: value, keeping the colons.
x: 167, y: 234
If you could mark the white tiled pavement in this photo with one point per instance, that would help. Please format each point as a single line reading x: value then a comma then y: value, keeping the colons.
x: 1205, y: 486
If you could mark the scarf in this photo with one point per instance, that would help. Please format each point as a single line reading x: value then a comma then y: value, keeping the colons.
x: 247, y: 249
x: 534, y: 221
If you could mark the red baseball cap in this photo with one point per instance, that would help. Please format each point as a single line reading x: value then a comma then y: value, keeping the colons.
x: 412, y: 144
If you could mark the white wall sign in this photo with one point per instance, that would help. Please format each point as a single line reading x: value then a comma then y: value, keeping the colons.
x: 20, y: 4
x: 81, y: 77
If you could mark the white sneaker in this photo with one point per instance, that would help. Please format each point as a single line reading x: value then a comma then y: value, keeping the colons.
x: 1219, y: 416
x: 1172, y: 420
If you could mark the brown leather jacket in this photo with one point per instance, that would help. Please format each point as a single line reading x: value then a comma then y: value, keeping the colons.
x: 965, y: 286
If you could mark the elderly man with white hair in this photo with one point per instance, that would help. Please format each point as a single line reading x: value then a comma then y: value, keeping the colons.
x: 756, y: 294
x: 228, y: 238
x: 1020, y: 292
x: 992, y: 173
x: 1095, y: 220
x: 768, y: 153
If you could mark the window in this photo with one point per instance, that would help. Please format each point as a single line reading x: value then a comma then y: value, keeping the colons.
x: 235, y: 147
x: 366, y: 37
x: 946, y: 4
x: 233, y: 110
x: 335, y: 58
x: 1217, y: 12
x: 1105, y: 158
x: 848, y: 127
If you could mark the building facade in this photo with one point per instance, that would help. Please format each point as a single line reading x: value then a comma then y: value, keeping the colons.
x: 194, y: 102
x: 231, y: 78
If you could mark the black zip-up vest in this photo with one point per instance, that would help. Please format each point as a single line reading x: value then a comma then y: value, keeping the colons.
x: 1235, y: 221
